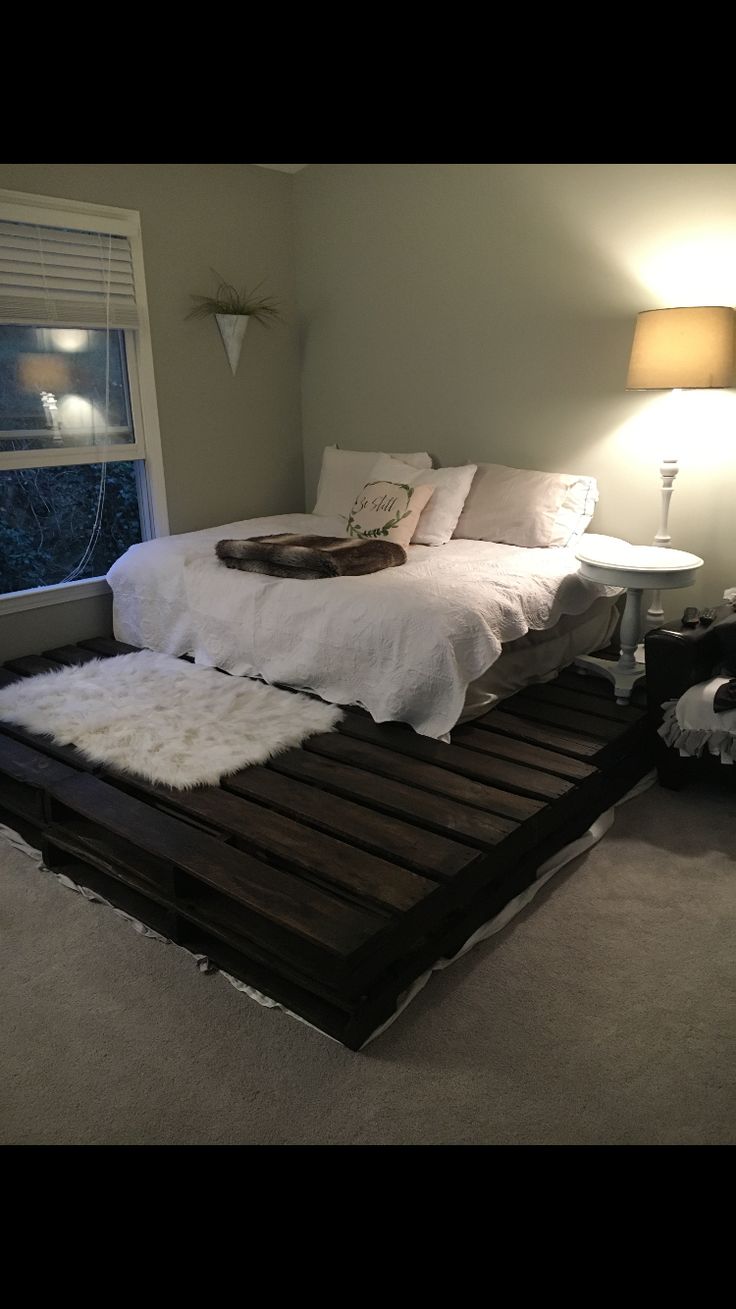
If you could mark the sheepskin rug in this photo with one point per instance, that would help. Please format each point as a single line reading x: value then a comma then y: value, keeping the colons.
x: 164, y: 719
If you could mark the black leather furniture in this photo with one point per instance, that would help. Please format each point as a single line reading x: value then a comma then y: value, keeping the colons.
x: 678, y: 657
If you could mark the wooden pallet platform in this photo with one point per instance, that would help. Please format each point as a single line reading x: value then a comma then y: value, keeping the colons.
x: 333, y: 876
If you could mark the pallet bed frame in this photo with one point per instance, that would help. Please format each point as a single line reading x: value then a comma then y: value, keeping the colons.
x: 335, y: 875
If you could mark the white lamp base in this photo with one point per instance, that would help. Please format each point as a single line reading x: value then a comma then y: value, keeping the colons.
x: 668, y: 472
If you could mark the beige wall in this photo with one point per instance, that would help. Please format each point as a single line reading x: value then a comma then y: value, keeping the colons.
x: 231, y: 445
x: 485, y: 312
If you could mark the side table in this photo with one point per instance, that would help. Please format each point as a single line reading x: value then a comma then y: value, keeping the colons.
x: 639, y: 568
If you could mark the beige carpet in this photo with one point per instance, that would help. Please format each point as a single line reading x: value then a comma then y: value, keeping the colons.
x: 604, y: 1014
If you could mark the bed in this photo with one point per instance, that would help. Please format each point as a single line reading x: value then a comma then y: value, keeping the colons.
x: 431, y: 643
x: 331, y: 880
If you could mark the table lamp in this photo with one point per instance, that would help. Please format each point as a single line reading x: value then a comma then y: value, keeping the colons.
x: 690, y: 348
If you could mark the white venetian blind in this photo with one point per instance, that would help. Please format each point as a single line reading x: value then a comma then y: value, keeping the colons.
x: 52, y: 276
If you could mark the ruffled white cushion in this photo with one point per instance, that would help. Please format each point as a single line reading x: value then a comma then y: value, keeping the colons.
x: 692, y: 727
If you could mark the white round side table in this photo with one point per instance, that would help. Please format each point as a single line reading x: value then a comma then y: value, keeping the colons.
x: 639, y: 568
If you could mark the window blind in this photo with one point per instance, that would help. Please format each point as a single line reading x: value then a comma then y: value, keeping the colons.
x: 52, y: 276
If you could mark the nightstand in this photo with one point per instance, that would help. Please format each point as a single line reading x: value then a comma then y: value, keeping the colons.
x: 638, y: 568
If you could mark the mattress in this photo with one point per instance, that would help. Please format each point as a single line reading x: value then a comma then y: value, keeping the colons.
x: 405, y: 644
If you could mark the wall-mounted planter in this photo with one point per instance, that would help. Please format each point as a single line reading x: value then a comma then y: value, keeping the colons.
x: 232, y: 329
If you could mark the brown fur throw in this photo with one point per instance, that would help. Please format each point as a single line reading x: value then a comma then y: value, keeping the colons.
x: 303, y: 557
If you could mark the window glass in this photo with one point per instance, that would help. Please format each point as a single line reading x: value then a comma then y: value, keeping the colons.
x: 53, y: 387
x: 65, y: 523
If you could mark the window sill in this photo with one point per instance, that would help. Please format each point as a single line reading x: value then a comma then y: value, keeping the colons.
x: 51, y: 595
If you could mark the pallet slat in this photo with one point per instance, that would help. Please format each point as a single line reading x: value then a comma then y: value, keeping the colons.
x: 425, y: 852
x: 428, y: 776
x: 544, y: 734
x: 66, y: 754
x: 435, y: 813
x: 496, y: 772
x: 108, y: 647
x: 590, y: 724
x: 33, y: 767
x: 71, y: 656
x: 274, y: 836
x: 509, y: 747
x: 285, y: 899
x: 32, y: 665
x: 602, y: 706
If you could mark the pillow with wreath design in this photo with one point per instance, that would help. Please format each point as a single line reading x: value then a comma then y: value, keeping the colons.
x: 387, y: 511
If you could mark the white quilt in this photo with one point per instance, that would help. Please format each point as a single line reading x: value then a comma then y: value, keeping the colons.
x: 404, y: 643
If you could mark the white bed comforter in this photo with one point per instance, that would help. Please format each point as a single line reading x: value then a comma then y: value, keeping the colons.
x: 404, y: 643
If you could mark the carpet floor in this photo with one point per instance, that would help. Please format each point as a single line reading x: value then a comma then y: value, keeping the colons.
x: 603, y: 1014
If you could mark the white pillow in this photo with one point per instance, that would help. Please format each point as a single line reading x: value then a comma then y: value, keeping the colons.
x: 344, y: 472
x: 521, y: 506
x: 451, y: 485
x: 576, y: 511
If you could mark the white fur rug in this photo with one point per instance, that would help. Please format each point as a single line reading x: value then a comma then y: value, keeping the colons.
x: 164, y: 719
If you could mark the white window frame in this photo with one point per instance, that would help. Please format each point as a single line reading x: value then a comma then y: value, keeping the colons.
x: 17, y: 206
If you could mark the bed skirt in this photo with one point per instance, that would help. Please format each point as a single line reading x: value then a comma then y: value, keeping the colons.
x: 539, y: 656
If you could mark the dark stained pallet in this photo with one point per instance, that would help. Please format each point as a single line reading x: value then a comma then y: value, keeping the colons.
x: 331, y: 877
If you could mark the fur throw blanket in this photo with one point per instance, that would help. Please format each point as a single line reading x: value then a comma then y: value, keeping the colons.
x: 310, y: 557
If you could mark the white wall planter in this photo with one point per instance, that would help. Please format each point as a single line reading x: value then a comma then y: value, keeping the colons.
x: 232, y: 329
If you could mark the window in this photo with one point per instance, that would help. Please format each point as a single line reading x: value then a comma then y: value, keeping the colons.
x: 80, y: 462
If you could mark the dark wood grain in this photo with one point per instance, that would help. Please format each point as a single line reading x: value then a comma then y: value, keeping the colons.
x: 435, y: 813
x: 66, y: 754
x: 33, y: 767
x: 602, y: 706
x: 117, y: 856
x: 572, y: 679
x: 427, y: 776
x: 321, y: 857
x: 496, y: 772
x: 70, y: 655
x: 107, y: 646
x: 570, y: 719
x: 510, y: 747
x: 555, y: 738
x: 287, y: 900
x: 209, y: 914
x: 402, y: 842
x: 32, y: 665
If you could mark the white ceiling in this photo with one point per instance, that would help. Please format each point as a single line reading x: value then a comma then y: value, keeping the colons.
x: 283, y: 168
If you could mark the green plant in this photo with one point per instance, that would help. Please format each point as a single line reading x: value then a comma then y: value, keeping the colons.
x: 228, y: 300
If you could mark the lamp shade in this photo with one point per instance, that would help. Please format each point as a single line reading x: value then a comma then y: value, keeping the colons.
x: 691, y: 347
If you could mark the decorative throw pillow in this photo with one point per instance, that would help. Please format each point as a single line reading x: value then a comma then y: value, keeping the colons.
x: 450, y: 486
x: 387, y: 510
x: 345, y: 471
x: 521, y: 506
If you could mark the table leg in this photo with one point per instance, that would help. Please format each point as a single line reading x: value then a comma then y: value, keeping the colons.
x: 625, y: 673
x: 630, y: 630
